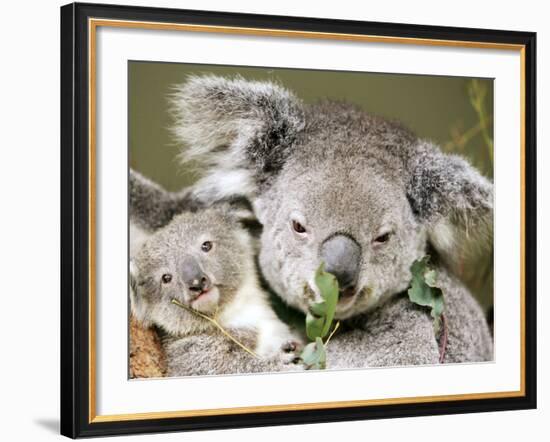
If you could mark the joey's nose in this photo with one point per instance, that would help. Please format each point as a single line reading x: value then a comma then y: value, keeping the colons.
x: 199, y: 285
x: 193, y: 276
x: 342, y: 255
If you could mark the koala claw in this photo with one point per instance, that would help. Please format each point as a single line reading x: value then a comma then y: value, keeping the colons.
x: 290, y: 346
x: 290, y: 351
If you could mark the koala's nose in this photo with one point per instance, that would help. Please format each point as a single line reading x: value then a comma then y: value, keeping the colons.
x: 342, y: 255
x: 193, y: 276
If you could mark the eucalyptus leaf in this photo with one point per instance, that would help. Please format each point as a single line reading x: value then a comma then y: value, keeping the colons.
x: 328, y: 287
x: 424, y: 290
x: 322, y: 354
x: 308, y: 354
x: 319, y: 320
x: 319, y: 309
x: 314, y: 326
x: 430, y: 276
x: 314, y: 355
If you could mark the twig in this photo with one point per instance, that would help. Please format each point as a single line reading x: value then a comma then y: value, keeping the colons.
x: 462, y: 140
x: 217, y: 324
x: 477, y: 99
x: 332, y: 333
x: 443, y: 338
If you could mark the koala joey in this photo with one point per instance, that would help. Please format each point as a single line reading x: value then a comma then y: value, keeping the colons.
x: 204, y: 260
x: 152, y: 207
x: 331, y: 183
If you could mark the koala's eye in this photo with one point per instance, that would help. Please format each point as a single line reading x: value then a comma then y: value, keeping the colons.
x: 297, y: 227
x: 382, y: 238
x: 206, y: 246
x: 166, y: 278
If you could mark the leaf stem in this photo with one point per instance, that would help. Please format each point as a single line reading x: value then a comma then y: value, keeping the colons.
x: 444, y: 336
x: 217, y: 324
x: 332, y: 333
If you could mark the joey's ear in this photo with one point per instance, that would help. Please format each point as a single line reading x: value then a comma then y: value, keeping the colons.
x: 152, y: 207
x: 241, y: 131
x: 451, y: 197
x: 138, y: 304
x: 239, y: 210
x: 242, y: 214
x: 148, y: 202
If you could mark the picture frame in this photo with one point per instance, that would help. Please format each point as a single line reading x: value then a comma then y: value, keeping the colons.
x: 81, y: 176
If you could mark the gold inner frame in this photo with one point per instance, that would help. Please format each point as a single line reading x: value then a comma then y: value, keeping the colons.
x: 93, y: 24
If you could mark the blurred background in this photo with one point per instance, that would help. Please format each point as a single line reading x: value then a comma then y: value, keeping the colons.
x: 454, y: 112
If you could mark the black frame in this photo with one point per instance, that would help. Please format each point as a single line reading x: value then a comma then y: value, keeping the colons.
x: 75, y: 220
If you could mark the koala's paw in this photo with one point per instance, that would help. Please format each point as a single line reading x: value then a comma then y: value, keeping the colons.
x: 290, y: 351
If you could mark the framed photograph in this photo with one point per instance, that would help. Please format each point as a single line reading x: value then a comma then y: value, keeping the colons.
x: 276, y: 220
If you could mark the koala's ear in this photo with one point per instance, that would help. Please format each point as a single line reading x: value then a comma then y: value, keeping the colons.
x: 241, y: 130
x: 152, y: 207
x: 240, y: 211
x: 242, y: 214
x: 451, y: 197
x: 138, y: 304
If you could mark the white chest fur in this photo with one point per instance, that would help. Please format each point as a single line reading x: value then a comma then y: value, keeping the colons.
x: 251, y: 310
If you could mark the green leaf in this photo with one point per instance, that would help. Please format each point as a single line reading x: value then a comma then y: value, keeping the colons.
x: 319, y: 320
x: 424, y: 290
x: 322, y: 354
x: 314, y: 355
x: 319, y: 309
x: 430, y: 276
x: 314, y: 326
x: 328, y: 288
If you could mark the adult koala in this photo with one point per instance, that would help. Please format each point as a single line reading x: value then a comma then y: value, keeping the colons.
x: 331, y: 183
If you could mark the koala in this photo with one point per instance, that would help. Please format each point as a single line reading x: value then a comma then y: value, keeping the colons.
x: 152, y: 207
x: 333, y: 184
x: 204, y: 260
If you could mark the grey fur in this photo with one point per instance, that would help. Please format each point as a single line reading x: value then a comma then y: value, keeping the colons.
x: 469, y: 336
x: 213, y: 354
x: 152, y: 207
x: 402, y: 333
x: 396, y: 333
x: 163, y: 253
x: 234, y: 295
x: 336, y: 169
x: 261, y: 122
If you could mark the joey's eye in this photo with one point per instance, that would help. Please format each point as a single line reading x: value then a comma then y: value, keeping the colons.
x: 297, y: 227
x: 206, y: 246
x: 382, y: 238
x: 166, y: 278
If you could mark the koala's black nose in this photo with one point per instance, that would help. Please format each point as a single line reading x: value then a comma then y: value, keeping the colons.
x: 342, y: 256
x: 193, y: 276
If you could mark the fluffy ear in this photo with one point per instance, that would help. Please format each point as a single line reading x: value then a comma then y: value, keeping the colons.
x: 240, y: 211
x: 452, y: 198
x: 152, y: 207
x: 242, y: 130
x: 242, y: 214
x: 138, y: 304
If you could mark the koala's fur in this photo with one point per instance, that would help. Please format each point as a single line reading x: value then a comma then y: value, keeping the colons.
x: 233, y: 297
x: 338, y: 170
x: 401, y: 333
x: 152, y: 207
x: 214, y: 354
